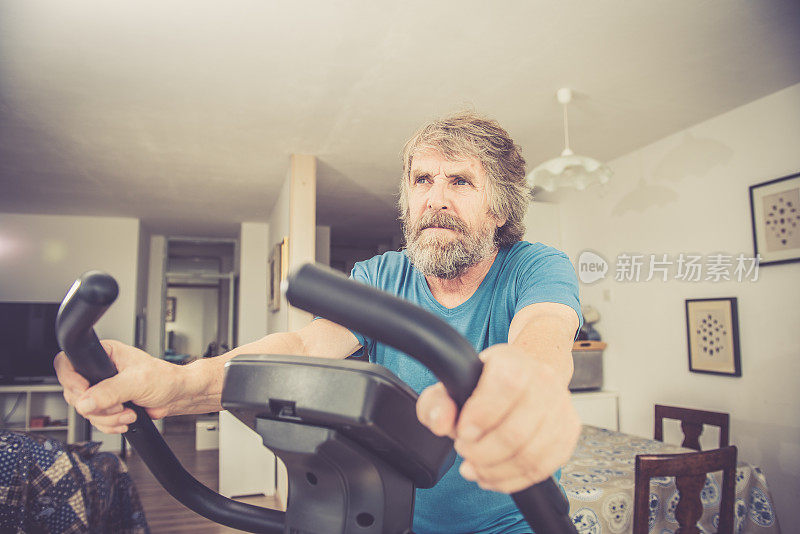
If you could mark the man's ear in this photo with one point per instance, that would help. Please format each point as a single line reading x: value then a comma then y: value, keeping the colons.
x: 498, y: 221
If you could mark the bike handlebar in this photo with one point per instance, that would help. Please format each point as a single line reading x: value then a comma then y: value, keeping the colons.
x: 87, y: 300
x: 372, y: 312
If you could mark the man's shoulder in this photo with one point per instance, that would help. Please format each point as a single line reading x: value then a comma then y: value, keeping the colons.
x: 387, y: 259
x: 383, y: 266
x: 523, y: 252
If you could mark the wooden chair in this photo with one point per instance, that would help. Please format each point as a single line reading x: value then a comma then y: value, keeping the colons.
x: 690, y: 471
x: 692, y: 422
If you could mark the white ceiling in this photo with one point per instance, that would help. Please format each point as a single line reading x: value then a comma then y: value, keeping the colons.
x: 184, y: 113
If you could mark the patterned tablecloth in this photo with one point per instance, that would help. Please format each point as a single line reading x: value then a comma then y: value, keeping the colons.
x: 599, y: 480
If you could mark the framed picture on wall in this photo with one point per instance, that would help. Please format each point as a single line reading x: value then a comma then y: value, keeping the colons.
x: 712, y: 329
x: 277, y: 259
x: 274, y: 299
x: 169, y: 309
x: 775, y: 214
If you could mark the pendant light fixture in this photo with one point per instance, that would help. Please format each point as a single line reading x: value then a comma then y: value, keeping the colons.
x: 569, y: 169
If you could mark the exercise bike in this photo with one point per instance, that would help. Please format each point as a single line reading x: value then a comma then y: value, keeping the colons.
x: 347, y: 430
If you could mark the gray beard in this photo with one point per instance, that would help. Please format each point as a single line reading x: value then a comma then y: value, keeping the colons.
x: 447, y: 258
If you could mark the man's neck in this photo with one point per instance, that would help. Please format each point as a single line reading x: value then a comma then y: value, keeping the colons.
x: 451, y: 293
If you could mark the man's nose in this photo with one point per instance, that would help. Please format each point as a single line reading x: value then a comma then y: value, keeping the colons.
x: 437, y: 195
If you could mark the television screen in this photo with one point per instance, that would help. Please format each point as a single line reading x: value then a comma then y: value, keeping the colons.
x: 27, y: 341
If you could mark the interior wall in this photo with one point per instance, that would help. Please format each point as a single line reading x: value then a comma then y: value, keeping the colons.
x: 195, y: 324
x: 542, y: 224
x: 322, y: 245
x: 254, y: 241
x: 688, y: 193
x: 302, y: 224
x: 278, y: 321
x: 155, y: 284
x: 294, y: 217
x: 42, y: 255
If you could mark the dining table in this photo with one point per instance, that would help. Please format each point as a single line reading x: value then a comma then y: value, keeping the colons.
x: 599, y: 483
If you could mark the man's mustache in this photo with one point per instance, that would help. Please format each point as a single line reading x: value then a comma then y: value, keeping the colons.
x: 440, y: 219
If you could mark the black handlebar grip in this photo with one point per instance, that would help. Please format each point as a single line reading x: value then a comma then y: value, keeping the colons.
x: 428, y: 339
x: 85, y: 302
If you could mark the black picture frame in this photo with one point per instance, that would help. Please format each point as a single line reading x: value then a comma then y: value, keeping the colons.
x: 767, y: 200
x: 712, y: 336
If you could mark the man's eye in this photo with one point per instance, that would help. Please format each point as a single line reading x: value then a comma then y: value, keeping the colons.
x: 421, y: 179
x: 460, y: 181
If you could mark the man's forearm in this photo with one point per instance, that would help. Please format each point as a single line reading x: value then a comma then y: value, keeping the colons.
x: 204, y: 378
x: 548, y: 339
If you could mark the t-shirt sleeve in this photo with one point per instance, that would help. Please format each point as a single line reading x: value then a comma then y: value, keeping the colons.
x: 549, y: 278
x: 360, y: 273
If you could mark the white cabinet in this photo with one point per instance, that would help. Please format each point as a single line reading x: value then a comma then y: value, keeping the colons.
x: 246, y: 467
x: 38, y: 408
x: 206, y: 434
x: 598, y: 408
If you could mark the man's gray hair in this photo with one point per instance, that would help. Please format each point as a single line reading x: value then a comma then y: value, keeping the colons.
x: 465, y: 134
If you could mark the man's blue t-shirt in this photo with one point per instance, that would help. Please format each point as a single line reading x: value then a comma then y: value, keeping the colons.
x: 521, y: 275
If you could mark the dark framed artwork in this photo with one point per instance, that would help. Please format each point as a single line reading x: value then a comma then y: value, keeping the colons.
x: 712, y: 330
x: 170, y: 309
x: 775, y: 215
x: 277, y: 259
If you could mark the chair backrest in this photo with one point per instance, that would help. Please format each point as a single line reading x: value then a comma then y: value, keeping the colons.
x: 692, y: 422
x: 690, y: 471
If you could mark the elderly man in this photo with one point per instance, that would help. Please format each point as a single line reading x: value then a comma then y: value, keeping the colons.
x: 462, y: 202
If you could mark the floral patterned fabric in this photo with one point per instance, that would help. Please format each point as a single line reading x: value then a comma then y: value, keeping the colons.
x: 49, y: 486
x: 599, y: 482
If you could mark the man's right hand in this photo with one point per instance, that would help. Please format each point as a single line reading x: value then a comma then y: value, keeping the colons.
x: 163, y: 388
x: 149, y: 382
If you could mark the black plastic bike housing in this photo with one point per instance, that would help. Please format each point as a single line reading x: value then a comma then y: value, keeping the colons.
x: 365, y: 402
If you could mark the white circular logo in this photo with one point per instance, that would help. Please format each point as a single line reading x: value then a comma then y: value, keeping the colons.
x: 591, y: 267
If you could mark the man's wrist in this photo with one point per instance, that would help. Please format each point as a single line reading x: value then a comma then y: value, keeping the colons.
x: 201, y: 383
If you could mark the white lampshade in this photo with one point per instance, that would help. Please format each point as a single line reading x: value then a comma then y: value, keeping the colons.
x: 569, y: 169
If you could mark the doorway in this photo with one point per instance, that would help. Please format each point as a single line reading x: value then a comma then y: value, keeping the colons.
x: 199, y: 317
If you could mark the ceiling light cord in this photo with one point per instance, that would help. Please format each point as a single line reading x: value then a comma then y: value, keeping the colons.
x: 567, y: 151
x: 564, y: 97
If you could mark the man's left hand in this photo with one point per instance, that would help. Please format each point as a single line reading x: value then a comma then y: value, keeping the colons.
x: 517, y: 428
